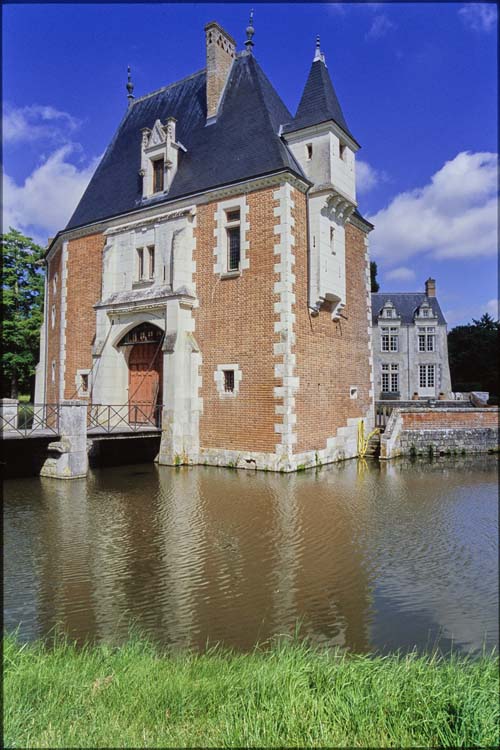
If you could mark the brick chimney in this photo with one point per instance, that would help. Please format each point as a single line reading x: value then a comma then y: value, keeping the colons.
x: 221, y: 51
x: 430, y: 287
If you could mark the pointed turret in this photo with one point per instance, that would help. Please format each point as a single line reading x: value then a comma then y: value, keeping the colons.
x: 319, y: 102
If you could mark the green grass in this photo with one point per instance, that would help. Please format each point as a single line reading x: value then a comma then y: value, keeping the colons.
x: 290, y: 695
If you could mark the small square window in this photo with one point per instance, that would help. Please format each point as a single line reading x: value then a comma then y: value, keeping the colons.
x: 233, y: 215
x: 228, y: 381
x: 84, y: 382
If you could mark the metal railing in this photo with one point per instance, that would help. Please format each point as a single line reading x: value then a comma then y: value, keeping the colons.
x: 123, y: 418
x: 30, y: 420
x: 382, y: 413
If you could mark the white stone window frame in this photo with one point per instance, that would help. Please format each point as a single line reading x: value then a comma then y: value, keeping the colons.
x: 389, y: 336
x: 425, y: 370
x: 221, y: 223
x: 428, y: 334
x: 389, y: 372
x: 78, y: 382
x: 219, y: 380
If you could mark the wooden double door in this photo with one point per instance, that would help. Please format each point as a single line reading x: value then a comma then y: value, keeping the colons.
x: 145, y: 382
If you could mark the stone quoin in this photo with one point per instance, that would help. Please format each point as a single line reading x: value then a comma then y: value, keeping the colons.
x: 217, y: 267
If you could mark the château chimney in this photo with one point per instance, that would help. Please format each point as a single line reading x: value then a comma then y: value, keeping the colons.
x: 221, y: 51
x: 430, y: 287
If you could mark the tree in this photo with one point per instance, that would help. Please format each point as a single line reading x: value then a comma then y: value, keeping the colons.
x: 375, y: 286
x: 22, y: 306
x: 473, y: 355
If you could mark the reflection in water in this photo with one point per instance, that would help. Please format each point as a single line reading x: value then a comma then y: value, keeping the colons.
x: 365, y: 556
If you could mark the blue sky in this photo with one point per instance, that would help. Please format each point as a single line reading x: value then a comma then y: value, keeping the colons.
x: 417, y: 83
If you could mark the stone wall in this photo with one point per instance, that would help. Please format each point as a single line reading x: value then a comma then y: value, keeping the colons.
x: 415, y: 431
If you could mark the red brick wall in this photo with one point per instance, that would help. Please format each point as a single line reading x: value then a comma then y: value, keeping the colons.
x: 331, y: 356
x: 54, y: 332
x: 83, y: 291
x: 235, y: 324
x: 452, y: 419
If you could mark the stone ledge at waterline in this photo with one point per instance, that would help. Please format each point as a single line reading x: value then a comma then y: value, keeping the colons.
x: 417, y: 431
x: 288, y: 695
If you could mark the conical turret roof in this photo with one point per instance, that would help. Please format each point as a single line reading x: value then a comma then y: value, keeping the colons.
x: 319, y: 102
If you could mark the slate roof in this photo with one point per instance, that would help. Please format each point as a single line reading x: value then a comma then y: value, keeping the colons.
x: 242, y: 143
x: 405, y: 303
x: 319, y: 102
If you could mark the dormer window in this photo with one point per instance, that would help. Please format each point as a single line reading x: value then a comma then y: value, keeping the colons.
x: 158, y: 175
x: 159, y: 157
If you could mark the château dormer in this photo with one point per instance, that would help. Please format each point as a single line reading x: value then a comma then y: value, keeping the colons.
x: 159, y: 158
x: 388, y: 312
x: 425, y: 311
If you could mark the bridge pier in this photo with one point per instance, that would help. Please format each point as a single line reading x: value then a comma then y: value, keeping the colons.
x: 68, y: 458
x: 8, y: 414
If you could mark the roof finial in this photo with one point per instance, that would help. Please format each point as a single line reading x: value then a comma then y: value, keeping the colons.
x: 250, y: 33
x: 129, y: 87
x: 318, y: 55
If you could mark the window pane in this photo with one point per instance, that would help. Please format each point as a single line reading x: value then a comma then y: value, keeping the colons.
x: 158, y: 170
x: 140, y: 262
x: 394, y: 381
x: 151, y: 251
x: 233, y: 237
x: 430, y: 376
x: 233, y: 215
x: 229, y: 380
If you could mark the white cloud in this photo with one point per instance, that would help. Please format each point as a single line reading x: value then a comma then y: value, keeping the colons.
x: 367, y: 177
x: 400, y: 274
x: 380, y: 26
x: 36, y: 122
x: 492, y: 308
x: 453, y: 216
x: 479, y: 16
x: 44, y: 203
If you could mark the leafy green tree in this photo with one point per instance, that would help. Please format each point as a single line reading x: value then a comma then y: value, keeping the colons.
x: 22, y: 309
x: 375, y: 286
x: 473, y: 355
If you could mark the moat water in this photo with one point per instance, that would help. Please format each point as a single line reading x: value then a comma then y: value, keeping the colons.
x: 363, y: 556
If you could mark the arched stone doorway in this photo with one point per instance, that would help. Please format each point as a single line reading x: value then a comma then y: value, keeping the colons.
x: 145, y: 372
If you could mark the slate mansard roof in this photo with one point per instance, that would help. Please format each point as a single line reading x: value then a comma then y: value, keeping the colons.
x: 405, y: 304
x: 319, y: 103
x: 241, y: 144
